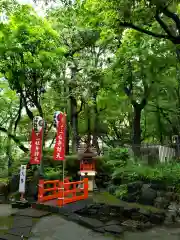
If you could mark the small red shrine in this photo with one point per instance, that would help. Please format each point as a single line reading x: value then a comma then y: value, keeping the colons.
x: 88, y: 166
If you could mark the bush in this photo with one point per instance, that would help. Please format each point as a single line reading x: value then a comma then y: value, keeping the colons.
x: 117, y: 158
x: 168, y: 173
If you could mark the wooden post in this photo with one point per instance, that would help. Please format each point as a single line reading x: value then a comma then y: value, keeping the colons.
x: 41, y: 190
x: 86, y: 188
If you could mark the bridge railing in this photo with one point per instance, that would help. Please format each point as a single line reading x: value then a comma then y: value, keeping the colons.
x: 49, y: 193
x: 72, y: 192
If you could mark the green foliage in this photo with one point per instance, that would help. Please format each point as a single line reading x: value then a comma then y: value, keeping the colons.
x: 99, y: 61
x: 121, y: 191
x: 117, y: 158
x: 168, y: 173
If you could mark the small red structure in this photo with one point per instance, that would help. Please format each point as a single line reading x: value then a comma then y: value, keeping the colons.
x: 88, y: 167
x: 66, y: 192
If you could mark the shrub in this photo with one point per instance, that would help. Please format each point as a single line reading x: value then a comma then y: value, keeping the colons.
x: 168, y: 173
x: 117, y: 158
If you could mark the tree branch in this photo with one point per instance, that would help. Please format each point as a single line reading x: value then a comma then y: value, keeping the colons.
x: 15, y: 139
x: 142, y: 30
x: 175, y: 40
x: 163, y: 25
x: 173, y: 16
x: 80, y: 110
x: 19, y: 113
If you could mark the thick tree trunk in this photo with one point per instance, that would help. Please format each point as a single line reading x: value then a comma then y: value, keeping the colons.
x: 137, y: 131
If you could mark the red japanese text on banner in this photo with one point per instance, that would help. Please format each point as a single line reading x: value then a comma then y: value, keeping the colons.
x: 59, y: 148
x: 36, y: 141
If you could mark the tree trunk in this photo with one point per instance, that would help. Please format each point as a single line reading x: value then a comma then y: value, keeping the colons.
x: 88, y: 127
x: 74, y: 124
x: 137, y: 130
x: 67, y: 138
x: 9, y: 148
x: 95, y: 130
x: 159, y: 125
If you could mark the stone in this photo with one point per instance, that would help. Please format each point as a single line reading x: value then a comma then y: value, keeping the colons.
x: 147, y: 225
x: 169, y: 196
x: 158, y: 186
x: 14, y: 183
x: 156, y: 218
x: 4, y: 190
x: 2, y: 199
x: 148, y: 196
x: 171, y: 188
x: 171, y: 218
x: 144, y: 212
x: 114, y: 229
x: 20, y: 231
x: 131, y: 197
x: 161, y: 202
x: 139, y: 217
x: 134, y: 186
x: 129, y: 211
x: 131, y: 224
x: 90, y: 222
x: 161, y: 193
x: 113, y: 222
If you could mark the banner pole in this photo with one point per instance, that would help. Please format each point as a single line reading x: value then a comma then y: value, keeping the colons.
x: 42, y: 147
x: 63, y: 167
x: 64, y: 157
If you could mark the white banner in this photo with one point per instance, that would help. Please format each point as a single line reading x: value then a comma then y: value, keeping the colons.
x: 22, y: 180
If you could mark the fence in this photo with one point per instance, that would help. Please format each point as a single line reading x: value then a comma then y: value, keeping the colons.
x: 153, y: 153
x: 70, y: 194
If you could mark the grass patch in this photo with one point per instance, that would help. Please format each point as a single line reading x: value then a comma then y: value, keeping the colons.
x: 5, y: 223
x: 3, y: 180
x: 106, y: 198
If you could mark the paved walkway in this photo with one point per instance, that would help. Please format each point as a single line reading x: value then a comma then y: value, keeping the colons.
x: 56, y: 228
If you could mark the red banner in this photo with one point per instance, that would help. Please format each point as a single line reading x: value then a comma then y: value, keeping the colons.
x: 59, y: 148
x: 36, y: 140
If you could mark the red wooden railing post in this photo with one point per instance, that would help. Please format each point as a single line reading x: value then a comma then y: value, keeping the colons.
x: 41, y: 190
x: 86, y: 188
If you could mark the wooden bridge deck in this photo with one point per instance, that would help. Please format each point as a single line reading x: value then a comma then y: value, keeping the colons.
x: 70, y: 207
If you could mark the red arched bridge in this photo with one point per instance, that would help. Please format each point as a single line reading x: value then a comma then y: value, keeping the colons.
x: 60, y: 193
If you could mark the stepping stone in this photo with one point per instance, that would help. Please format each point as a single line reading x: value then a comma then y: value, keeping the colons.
x: 21, y: 221
x: 76, y: 206
x: 90, y: 222
x: 115, y: 229
x: 9, y: 237
x: 20, y: 204
x: 25, y: 231
x: 30, y: 212
x: 113, y: 222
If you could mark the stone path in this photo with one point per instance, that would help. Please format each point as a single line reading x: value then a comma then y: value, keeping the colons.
x: 154, y: 234
x: 57, y: 228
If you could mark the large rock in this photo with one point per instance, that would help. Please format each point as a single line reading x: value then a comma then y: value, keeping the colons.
x: 4, y: 189
x: 158, y: 186
x: 148, y: 195
x: 134, y: 186
x: 132, y: 197
x: 14, y: 183
x: 156, y: 218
